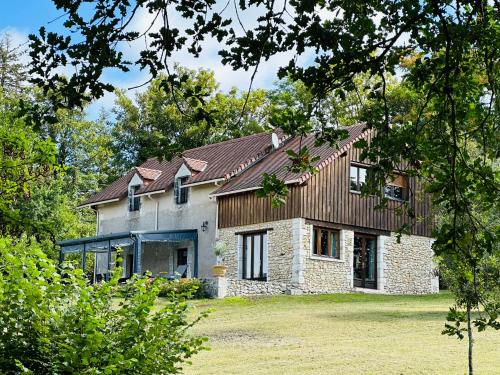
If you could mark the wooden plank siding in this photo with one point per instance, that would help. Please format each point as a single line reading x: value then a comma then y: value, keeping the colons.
x: 326, y: 197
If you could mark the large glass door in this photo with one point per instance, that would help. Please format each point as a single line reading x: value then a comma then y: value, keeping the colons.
x: 365, y: 261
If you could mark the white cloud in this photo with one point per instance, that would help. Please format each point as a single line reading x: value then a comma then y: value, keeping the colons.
x: 209, y: 58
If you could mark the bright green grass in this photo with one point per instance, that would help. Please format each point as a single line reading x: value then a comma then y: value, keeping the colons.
x: 336, y: 334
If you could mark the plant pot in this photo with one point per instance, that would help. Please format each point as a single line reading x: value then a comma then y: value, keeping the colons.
x: 219, y: 270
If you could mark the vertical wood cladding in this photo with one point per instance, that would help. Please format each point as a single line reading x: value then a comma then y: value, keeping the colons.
x: 326, y: 196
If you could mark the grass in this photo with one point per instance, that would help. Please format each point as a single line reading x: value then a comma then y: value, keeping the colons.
x: 336, y: 334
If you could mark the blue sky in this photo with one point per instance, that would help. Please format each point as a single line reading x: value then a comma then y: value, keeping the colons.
x: 22, y: 17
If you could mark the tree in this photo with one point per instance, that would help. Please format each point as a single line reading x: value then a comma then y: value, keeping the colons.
x: 12, y: 71
x: 26, y: 161
x: 54, y: 322
x: 161, y: 122
x: 453, y: 71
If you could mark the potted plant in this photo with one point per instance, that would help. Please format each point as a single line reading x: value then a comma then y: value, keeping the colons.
x: 220, y: 249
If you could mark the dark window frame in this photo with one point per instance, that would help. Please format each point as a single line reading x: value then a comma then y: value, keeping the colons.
x: 317, y: 248
x: 363, y: 282
x: 262, y: 273
x: 181, y: 193
x: 134, y: 203
x: 397, y: 193
x: 357, y: 188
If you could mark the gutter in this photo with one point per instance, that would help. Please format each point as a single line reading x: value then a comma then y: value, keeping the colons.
x: 150, y: 193
x: 98, y: 202
x: 213, y: 181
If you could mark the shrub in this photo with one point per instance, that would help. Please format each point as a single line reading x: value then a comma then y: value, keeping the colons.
x: 54, y: 324
x: 190, y: 288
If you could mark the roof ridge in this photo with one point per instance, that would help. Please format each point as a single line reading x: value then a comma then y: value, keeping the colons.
x: 227, y: 141
x: 307, y: 175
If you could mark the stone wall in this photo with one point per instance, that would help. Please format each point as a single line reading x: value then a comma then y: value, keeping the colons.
x: 404, y: 268
x: 251, y: 287
x: 327, y: 275
x: 280, y: 258
x: 408, y: 266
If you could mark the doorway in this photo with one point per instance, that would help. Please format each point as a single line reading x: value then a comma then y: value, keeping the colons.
x: 182, y: 257
x: 365, y: 261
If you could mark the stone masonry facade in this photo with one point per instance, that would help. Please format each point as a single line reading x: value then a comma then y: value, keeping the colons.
x: 402, y: 268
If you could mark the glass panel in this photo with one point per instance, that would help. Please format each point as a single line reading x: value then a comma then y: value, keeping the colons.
x: 398, y: 192
x: 370, y: 259
x: 324, y: 242
x: 264, y: 260
x: 358, y: 258
x: 334, y: 245
x: 362, y: 177
x: 248, y: 257
x: 315, y: 242
x: 354, y: 178
x: 256, y: 256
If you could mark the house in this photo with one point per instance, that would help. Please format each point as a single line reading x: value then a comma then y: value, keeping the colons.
x: 326, y: 238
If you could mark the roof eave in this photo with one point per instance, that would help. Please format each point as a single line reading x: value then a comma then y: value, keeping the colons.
x: 212, y: 181
x: 98, y: 203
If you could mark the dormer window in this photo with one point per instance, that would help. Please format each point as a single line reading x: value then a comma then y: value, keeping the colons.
x: 134, y: 203
x: 397, y: 188
x: 181, y: 193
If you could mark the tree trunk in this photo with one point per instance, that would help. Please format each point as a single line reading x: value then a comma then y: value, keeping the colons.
x: 469, y: 336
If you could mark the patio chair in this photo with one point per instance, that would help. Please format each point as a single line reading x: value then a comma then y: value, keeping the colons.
x: 179, y: 273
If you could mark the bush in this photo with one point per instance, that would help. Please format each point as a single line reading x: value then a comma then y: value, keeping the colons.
x: 54, y: 324
x: 191, y: 288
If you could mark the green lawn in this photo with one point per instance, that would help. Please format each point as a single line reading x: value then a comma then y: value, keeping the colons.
x: 336, y: 334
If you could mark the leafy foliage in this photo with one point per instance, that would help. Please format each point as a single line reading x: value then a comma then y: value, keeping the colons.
x: 446, y: 53
x: 192, y: 288
x: 25, y: 161
x: 12, y: 72
x: 165, y: 121
x: 55, y: 323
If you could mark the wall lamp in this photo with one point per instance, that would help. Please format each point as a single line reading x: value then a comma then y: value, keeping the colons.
x: 204, y: 226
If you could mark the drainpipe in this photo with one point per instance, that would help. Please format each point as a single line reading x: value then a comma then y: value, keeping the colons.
x: 157, y: 204
x: 97, y: 222
x: 216, y: 218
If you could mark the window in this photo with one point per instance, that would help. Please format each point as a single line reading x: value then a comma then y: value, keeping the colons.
x: 326, y: 243
x: 181, y: 193
x: 397, y: 187
x: 358, y: 177
x: 134, y: 203
x: 254, y: 257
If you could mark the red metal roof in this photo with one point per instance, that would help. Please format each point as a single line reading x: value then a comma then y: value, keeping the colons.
x: 241, y: 161
x: 277, y: 162
x: 221, y: 159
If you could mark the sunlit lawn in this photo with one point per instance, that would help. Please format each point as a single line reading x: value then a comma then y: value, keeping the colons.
x: 336, y: 334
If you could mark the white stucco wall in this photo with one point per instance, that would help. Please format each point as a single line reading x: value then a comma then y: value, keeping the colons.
x: 115, y: 217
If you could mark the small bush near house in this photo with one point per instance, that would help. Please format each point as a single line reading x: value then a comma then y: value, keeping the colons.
x: 191, y: 288
x: 52, y: 324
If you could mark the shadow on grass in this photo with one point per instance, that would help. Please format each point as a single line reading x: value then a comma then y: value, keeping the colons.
x: 327, y: 298
x: 380, y: 316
